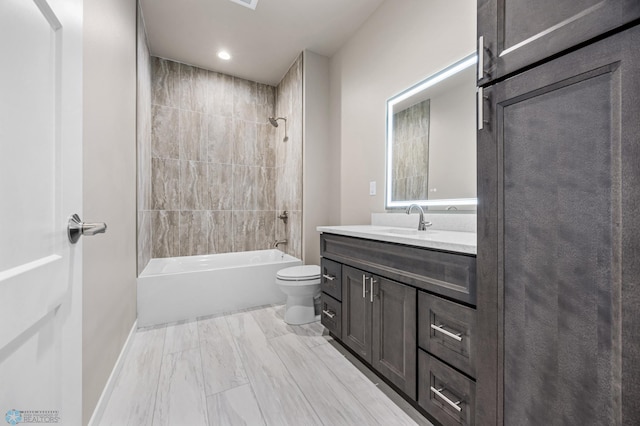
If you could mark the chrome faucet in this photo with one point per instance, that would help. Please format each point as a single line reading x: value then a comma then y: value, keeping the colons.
x: 422, y: 224
x: 278, y: 242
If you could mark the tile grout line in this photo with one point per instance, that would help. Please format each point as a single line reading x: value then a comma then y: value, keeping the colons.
x: 155, y: 399
x: 339, y: 380
x: 255, y: 398
x: 366, y: 371
x: 204, y: 391
x: 237, y: 345
x: 313, y: 408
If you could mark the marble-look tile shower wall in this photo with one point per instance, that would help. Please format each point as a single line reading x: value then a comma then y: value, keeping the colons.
x: 411, y: 152
x: 289, y: 158
x: 213, y: 162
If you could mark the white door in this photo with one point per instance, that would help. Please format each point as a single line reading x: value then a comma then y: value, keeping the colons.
x: 40, y: 187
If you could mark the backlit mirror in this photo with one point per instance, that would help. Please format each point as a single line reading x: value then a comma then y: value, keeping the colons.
x: 431, y: 141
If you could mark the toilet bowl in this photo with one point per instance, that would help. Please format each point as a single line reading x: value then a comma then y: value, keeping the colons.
x: 301, y: 284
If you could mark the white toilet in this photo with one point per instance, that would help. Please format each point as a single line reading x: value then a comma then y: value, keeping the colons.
x: 301, y: 284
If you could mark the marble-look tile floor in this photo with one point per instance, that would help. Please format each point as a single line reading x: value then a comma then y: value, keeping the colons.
x: 248, y: 368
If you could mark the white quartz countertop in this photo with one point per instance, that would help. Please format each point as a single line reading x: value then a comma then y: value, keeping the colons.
x: 456, y: 241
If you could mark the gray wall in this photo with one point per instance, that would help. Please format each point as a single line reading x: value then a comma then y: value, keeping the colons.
x: 453, y: 136
x: 109, y: 173
x: 418, y: 38
x: 144, y: 146
x: 289, y: 158
x: 321, y: 163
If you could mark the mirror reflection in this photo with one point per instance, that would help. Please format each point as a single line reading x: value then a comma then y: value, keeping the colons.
x: 431, y: 154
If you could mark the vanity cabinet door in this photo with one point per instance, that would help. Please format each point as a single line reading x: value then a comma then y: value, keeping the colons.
x: 356, y: 311
x: 394, y: 333
x: 519, y: 33
x: 559, y: 241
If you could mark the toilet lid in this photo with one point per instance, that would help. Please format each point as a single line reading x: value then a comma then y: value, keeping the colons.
x: 299, y: 273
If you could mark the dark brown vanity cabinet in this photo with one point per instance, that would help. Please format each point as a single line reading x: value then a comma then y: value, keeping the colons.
x: 514, y: 34
x: 394, y: 318
x: 559, y: 237
x: 379, y: 324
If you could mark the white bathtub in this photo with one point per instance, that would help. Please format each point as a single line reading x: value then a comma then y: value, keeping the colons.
x: 182, y: 288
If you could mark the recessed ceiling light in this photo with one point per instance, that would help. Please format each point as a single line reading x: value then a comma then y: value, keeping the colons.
x: 251, y: 4
x: 223, y: 54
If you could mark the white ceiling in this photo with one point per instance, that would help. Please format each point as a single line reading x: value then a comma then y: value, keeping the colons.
x: 263, y: 42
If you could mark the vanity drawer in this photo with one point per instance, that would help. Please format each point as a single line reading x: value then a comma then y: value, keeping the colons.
x: 331, y: 316
x: 331, y: 280
x: 447, y: 330
x: 446, y: 394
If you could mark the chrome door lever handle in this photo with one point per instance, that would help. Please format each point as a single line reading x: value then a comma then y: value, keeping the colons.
x: 76, y: 228
x: 94, y: 228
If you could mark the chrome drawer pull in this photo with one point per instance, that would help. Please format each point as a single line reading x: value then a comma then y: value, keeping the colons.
x: 438, y: 392
x: 329, y: 277
x: 328, y: 313
x: 441, y: 329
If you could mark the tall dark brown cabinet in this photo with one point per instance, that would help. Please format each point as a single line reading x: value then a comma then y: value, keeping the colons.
x: 559, y: 213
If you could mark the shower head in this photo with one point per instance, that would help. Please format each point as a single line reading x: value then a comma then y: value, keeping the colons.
x: 274, y: 121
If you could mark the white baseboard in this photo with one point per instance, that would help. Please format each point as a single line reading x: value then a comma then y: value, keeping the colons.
x: 96, y: 417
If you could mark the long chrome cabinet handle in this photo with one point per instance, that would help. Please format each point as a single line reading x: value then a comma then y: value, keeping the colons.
x: 372, y: 282
x: 440, y: 328
x: 328, y: 313
x: 480, y: 57
x: 480, y: 108
x: 455, y: 405
x: 364, y: 284
x: 329, y: 277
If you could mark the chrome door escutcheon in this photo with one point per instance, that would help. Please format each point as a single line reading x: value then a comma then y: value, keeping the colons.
x: 77, y: 228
